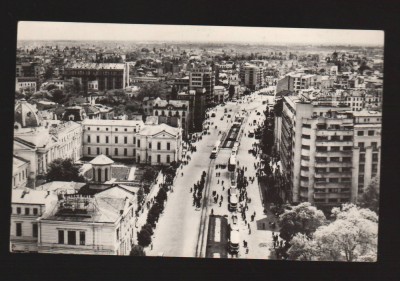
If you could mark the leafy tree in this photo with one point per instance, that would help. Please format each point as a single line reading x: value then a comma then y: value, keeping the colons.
x: 74, y: 88
x: 137, y: 251
x: 161, y: 196
x: 140, y: 194
x: 59, y: 96
x: 63, y: 170
x: 51, y: 87
x: 352, y: 236
x: 48, y: 73
x: 144, y: 238
x: 149, y: 228
x: 152, y: 90
x: 370, y: 198
x: 149, y: 174
x: 303, y: 218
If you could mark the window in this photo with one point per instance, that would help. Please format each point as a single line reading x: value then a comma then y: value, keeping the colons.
x: 106, y: 139
x: 335, y: 148
x: 82, y: 238
x: 116, y: 139
x: 361, y: 145
x: 125, y: 152
x: 158, y: 158
x: 333, y: 180
x: 346, y: 169
x: 374, y: 145
x: 88, y: 128
x: 333, y: 170
x: 347, y: 148
x: 125, y: 129
x: 371, y: 133
x: 362, y: 157
x: 116, y: 129
x: 306, y: 125
x: 35, y: 211
x: 106, y: 150
x: 347, y: 138
x: 375, y: 157
x: 305, y: 157
x: 374, y: 168
x: 346, y: 159
x: 334, y: 159
x: 88, y: 150
x: 138, y: 143
x: 18, y: 229
x: 134, y: 140
x: 34, y: 230
x: 18, y: 210
x: 335, y: 138
x: 88, y: 139
x: 168, y: 158
x: 360, y: 133
x: 125, y: 139
x: 98, y: 139
x: 27, y: 211
x: 149, y: 145
x: 168, y: 146
x: 304, y: 168
x: 305, y: 136
x: 117, y: 233
x: 307, y: 147
x: 159, y: 146
x: 322, y: 149
x: 71, y: 238
x: 116, y: 151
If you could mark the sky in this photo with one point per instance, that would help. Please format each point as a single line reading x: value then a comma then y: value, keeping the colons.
x: 30, y: 30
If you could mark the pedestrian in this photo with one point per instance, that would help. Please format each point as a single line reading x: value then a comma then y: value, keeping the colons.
x: 247, y: 250
x: 249, y: 231
x: 248, y: 225
x: 151, y: 246
x: 220, y: 203
x: 223, y: 187
x: 218, y: 182
x: 182, y: 174
x: 212, y: 211
x: 254, y: 213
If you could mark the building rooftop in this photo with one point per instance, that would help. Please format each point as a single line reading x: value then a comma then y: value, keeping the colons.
x: 31, y: 196
x: 152, y: 130
x: 101, y: 122
x: 97, y: 66
x: 101, y: 160
x: 18, y: 162
x: 69, y: 187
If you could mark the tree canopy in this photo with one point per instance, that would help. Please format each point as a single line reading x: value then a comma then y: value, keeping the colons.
x: 303, y: 218
x: 63, y: 170
x: 137, y: 251
x: 352, y: 236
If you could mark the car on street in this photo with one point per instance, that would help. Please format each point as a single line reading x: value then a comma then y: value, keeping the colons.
x: 229, y: 116
x: 251, y: 134
x: 234, y: 240
x: 213, y: 114
x: 258, y: 113
x: 233, y: 203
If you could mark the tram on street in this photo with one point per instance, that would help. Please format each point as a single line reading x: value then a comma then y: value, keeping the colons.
x: 232, y: 163
x: 215, y: 150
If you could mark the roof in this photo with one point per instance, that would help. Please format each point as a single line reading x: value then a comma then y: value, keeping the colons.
x: 101, y: 160
x: 152, y: 130
x: 367, y: 113
x: 126, y: 123
x: 97, y: 66
x: 61, y: 185
x: 31, y: 196
x: 18, y: 162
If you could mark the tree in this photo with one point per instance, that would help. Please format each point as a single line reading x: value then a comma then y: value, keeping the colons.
x: 63, y: 170
x: 161, y: 196
x: 59, y: 96
x: 51, y: 87
x: 152, y: 90
x: 144, y: 238
x: 48, y: 73
x: 137, y: 251
x: 370, y: 198
x: 74, y: 88
x: 352, y: 236
x: 149, y: 228
x: 140, y: 194
x: 303, y: 218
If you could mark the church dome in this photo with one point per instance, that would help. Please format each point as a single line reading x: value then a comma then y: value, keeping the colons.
x: 26, y: 115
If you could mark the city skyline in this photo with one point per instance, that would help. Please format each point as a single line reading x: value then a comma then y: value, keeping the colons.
x: 68, y: 31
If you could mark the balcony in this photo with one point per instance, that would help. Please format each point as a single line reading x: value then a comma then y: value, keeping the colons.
x: 326, y: 164
x: 333, y: 174
x: 333, y: 143
x: 304, y: 173
x: 333, y: 153
x: 332, y: 184
x: 335, y: 132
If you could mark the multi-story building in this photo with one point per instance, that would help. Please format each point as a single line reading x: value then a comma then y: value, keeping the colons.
x: 27, y: 206
x: 252, y: 76
x: 203, y: 77
x: 69, y: 140
x: 295, y: 82
x: 367, y: 149
x: 220, y: 94
x: 102, y: 224
x: 99, y: 76
x: 181, y: 83
x: 20, y: 172
x: 26, y: 83
x: 28, y: 69
x: 355, y: 100
x: 318, y: 148
x: 114, y: 138
x: 159, y: 144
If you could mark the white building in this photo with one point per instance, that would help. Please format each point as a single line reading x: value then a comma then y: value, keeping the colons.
x: 20, y: 172
x: 103, y: 224
x: 27, y: 206
x: 159, y: 144
x: 114, y: 138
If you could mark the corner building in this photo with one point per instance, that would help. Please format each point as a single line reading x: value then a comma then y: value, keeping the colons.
x: 319, y: 153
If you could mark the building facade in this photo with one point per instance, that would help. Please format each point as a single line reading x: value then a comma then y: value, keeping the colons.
x: 159, y: 145
x: 203, y: 77
x: 114, y: 138
x: 252, y: 76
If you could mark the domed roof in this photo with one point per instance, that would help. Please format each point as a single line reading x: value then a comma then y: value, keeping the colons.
x: 101, y: 160
x: 26, y: 115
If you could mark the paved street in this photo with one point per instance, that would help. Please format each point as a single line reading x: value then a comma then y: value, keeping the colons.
x: 177, y: 233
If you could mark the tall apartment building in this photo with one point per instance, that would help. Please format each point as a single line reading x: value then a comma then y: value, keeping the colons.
x: 99, y: 76
x: 203, y: 77
x: 318, y: 150
x: 252, y: 76
x: 28, y: 69
x: 114, y: 138
x: 295, y: 82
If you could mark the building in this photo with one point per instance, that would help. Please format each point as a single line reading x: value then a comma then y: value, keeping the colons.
x: 221, y: 94
x: 68, y: 136
x: 99, y: 76
x: 318, y: 151
x: 158, y: 145
x: 181, y: 83
x: 355, y: 100
x: 295, y: 82
x: 26, y: 83
x: 27, y: 206
x: 252, y: 76
x: 20, y: 172
x: 170, y: 108
x: 203, y: 77
x: 114, y: 138
x: 367, y: 150
x: 28, y: 69
x: 101, y: 224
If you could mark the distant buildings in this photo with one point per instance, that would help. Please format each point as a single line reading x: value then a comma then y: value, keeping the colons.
x: 26, y: 83
x: 203, y: 77
x: 295, y: 82
x: 28, y: 69
x: 99, y: 76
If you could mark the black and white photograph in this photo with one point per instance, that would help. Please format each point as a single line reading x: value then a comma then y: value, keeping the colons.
x: 197, y: 141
